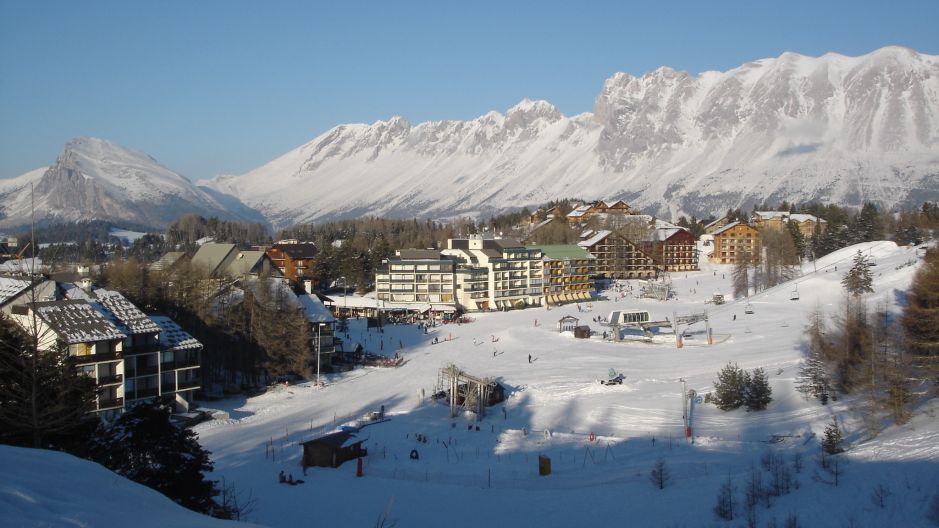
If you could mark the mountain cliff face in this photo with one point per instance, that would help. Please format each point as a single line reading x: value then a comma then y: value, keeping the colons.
x: 833, y: 129
x: 94, y: 179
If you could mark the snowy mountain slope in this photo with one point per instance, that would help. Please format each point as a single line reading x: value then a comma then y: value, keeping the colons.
x: 97, y: 179
x: 490, y: 476
x: 50, y: 488
x: 833, y: 128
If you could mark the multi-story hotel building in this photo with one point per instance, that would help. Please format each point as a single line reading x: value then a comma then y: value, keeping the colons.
x: 416, y: 276
x: 736, y: 242
x: 567, y: 273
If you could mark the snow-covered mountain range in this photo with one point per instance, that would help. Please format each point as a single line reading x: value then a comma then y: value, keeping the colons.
x: 95, y: 179
x: 834, y: 129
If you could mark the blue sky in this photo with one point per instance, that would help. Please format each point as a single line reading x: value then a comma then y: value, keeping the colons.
x: 222, y: 86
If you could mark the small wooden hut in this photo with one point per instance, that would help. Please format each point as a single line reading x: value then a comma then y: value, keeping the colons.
x: 568, y: 323
x: 582, y: 332
x: 333, y: 449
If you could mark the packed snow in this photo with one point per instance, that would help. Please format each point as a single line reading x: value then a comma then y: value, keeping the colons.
x: 602, y: 440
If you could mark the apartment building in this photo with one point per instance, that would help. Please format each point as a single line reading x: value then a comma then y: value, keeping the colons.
x: 131, y: 356
x: 94, y: 344
x: 416, y: 277
x: 671, y: 247
x: 736, y: 242
x: 616, y: 257
x: 514, y: 274
x: 780, y: 219
x: 568, y: 272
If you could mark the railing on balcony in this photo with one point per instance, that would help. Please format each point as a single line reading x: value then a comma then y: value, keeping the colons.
x: 141, y: 349
x: 188, y: 384
x: 179, y: 364
x: 110, y: 403
x: 111, y: 380
x: 146, y: 370
x: 97, y: 358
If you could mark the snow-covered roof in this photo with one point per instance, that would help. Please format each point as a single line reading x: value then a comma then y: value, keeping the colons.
x: 579, y: 211
x: 598, y: 236
x: 10, y: 288
x: 26, y: 265
x: 314, y: 310
x: 77, y: 321
x: 172, y: 336
x: 795, y: 217
x: 726, y: 227
x: 353, y: 301
x: 128, y: 317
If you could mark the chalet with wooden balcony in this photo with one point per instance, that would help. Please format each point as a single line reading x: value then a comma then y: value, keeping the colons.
x: 295, y: 260
x: 673, y: 248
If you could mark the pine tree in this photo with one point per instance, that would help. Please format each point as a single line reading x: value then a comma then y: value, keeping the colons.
x: 147, y: 448
x: 831, y: 441
x: 758, y: 393
x: 859, y: 279
x: 730, y: 387
x: 44, y: 401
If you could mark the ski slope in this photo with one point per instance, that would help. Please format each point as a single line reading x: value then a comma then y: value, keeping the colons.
x: 465, y: 477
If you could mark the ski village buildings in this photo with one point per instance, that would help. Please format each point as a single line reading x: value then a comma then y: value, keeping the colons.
x: 135, y: 356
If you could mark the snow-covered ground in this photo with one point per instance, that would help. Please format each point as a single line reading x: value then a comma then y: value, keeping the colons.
x: 51, y: 489
x: 465, y: 477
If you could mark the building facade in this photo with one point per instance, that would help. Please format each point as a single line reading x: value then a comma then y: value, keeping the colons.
x: 780, y: 219
x: 295, y: 260
x: 512, y: 273
x: 568, y: 273
x: 416, y: 276
x: 736, y: 242
x: 616, y: 257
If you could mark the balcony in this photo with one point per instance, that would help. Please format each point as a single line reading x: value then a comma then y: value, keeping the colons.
x: 97, y: 358
x: 111, y: 380
x: 178, y: 364
x: 147, y: 392
x: 188, y: 384
x: 141, y: 349
x: 111, y: 403
x: 145, y: 370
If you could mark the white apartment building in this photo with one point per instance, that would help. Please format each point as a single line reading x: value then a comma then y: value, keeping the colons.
x: 513, y: 275
x: 416, y: 278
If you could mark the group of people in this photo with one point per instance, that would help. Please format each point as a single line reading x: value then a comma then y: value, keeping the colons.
x: 288, y: 479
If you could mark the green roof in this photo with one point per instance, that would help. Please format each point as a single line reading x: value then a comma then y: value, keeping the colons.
x: 563, y: 251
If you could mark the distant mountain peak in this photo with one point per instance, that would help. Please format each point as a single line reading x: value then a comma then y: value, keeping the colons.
x: 831, y: 128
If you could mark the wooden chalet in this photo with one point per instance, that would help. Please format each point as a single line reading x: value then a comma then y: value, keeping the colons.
x: 333, y: 449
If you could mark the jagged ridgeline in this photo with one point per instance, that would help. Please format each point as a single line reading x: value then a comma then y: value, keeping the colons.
x: 829, y: 129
